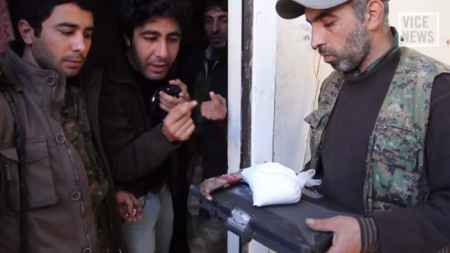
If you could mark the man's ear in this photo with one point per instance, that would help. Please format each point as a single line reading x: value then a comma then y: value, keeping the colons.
x: 127, y: 40
x: 26, y: 32
x: 375, y: 11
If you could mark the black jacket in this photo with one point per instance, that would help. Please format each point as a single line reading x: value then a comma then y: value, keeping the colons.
x: 133, y: 148
x: 211, y: 140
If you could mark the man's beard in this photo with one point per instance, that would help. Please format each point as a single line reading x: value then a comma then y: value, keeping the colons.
x: 357, y: 48
x: 43, y: 57
x: 47, y: 61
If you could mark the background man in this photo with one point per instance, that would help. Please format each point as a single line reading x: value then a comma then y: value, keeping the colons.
x: 206, y: 75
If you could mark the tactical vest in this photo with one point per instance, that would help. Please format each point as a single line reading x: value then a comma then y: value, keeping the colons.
x: 395, y: 173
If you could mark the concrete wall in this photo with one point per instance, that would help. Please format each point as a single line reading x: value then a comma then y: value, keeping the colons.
x: 296, y: 84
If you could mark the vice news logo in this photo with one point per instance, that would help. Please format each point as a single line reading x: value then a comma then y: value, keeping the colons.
x: 419, y: 29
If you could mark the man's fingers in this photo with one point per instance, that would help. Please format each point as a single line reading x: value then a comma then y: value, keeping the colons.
x: 188, y: 132
x: 177, y: 125
x: 180, y: 111
x: 208, y: 110
x: 179, y: 83
x: 176, y: 82
x: 167, y: 99
x: 136, y: 203
x: 185, y: 96
x: 185, y: 127
x: 222, y: 100
x: 164, y: 107
x: 130, y: 205
x: 214, y: 99
x: 326, y: 225
x: 123, y: 210
x: 203, y: 109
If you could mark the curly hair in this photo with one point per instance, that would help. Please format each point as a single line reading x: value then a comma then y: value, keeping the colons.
x: 35, y: 12
x: 134, y: 13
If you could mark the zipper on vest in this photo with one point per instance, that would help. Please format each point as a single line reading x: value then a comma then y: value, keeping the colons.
x: 79, y: 187
x: 74, y: 169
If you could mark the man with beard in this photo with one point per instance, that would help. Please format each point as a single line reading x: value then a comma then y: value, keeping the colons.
x: 206, y: 75
x: 142, y: 145
x: 56, y: 191
x: 379, y: 138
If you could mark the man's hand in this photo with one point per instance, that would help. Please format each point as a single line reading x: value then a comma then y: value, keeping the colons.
x: 212, y: 184
x: 346, y: 233
x: 178, y: 124
x: 216, y: 109
x: 129, y: 206
x: 168, y: 102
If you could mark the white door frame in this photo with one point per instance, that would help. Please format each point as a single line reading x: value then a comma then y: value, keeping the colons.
x: 251, y: 90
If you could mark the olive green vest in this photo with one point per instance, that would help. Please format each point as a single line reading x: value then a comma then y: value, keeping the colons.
x: 395, y: 174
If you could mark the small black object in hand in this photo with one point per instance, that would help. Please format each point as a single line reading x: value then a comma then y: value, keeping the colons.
x: 173, y: 90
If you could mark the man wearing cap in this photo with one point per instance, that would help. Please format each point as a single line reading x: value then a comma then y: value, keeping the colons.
x: 386, y: 151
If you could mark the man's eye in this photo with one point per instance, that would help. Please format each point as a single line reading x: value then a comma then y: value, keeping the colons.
x: 173, y: 39
x: 150, y: 38
x: 66, y: 33
x: 88, y: 36
x: 329, y: 24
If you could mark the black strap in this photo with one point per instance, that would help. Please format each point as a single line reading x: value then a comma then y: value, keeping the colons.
x: 20, y: 146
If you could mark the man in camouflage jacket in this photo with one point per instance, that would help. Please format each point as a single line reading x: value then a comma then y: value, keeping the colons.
x: 379, y: 138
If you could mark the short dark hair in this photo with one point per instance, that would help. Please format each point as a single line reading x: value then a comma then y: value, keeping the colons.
x: 134, y: 13
x: 35, y: 12
x: 216, y: 4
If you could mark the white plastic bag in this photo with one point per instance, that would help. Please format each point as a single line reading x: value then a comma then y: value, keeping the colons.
x: 275, y: 184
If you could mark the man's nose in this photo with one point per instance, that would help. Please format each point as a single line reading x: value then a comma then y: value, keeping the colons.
x: 162, y: 52
x: 318, y: 38
x: 79, y: 43
x: 216, y: 27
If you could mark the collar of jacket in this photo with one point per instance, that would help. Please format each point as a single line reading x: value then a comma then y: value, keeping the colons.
x: 36, y: 81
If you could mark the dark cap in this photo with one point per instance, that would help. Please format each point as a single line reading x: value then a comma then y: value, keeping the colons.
x: 290, y: 9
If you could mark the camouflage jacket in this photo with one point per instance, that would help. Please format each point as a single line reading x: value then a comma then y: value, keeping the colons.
x: 395, y: 174
x: 77, y: 130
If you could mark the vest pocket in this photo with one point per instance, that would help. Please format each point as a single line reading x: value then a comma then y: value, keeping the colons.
x: 397, y: 176
x: 397, y: 146
x: 39, y: 177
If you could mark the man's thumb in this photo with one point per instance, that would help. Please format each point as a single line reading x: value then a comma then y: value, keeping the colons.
x: 192, y: 104
x: 318, y: 224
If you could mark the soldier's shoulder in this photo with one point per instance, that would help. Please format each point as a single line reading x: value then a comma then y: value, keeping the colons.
x: 417, y: 60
